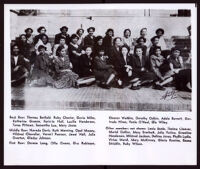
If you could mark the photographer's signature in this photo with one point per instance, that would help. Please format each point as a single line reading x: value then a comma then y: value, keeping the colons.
x: 169, y: 95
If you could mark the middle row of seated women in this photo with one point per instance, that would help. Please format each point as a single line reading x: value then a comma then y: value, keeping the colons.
x: 72, y: 65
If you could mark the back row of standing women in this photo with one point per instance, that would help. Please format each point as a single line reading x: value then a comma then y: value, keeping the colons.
x: 111, y: 62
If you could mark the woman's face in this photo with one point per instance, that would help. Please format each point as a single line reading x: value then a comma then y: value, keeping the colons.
x: 141, y: 41
x: 29, y: 33
x: 15, y: 50
x: 159, y: 33
x: 118, y: 42
x: 43, y: 30
x: 62, y: 52
x: 110, y: 33
x: 158, y: 52
x: 143, y: 32
x: 42, y: 51
x: 176, y: 53
x: 156, y: 41
x: 91, y: 32
x: 101, y: 53
x: 127, y: 33
x: 44, y: 39
x: 62, y: 41
x: 124, y: 51
x: 23, y: 38
x: 88, y: 51
x: 138, y: 52
x: 100, y: 42
x: 75, y: 40
x: 80, y: 32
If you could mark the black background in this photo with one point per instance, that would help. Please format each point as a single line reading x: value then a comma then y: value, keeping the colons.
x: 2, y: 2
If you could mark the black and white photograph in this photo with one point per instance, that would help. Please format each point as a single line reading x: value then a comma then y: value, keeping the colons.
x: 101, y: 59
x: 100, y: 84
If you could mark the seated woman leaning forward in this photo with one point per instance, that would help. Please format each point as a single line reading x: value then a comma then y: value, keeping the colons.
x: 65, y: 78
x: 41, y: 74
x: 104, y: 72
x: 182, y: 77
x: 160, y: 67
x: 140, y: 68
x: 86, y: 68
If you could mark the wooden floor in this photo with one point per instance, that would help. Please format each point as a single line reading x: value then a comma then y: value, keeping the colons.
x: 95, y: 98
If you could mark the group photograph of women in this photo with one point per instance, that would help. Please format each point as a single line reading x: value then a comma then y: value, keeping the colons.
x: 84, y: 59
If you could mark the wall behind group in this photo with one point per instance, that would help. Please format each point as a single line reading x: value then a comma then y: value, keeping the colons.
x: 173, y: 26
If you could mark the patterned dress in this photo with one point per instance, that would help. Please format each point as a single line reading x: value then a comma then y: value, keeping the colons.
x: 65, y: 78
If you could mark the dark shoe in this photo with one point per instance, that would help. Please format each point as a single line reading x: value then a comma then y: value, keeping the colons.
x: 158, y: 87
x: 105, y: 86
x: 76, y: 86
x: 135, y: 87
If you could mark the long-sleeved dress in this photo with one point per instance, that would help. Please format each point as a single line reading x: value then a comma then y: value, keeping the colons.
x: 102, y: 69
x: 67, y: 78
x: 89, y: 40
x: 86, y: 66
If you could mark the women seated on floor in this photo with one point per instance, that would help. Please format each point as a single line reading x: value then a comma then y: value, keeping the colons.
x: 20, y: 67
x: 122, y: 66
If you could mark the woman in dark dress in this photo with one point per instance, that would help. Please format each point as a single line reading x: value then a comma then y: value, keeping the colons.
x: 65, y: 77
x: 89, y: 39
x: 75, y: 51
x: 108, y: 41
x: 41, y: 70
x: 140, y: 68
x: 125, y: 69
x: 98, y: 45
x: 86, y: 68
x: 104, y: 72
x: 182, y: 76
